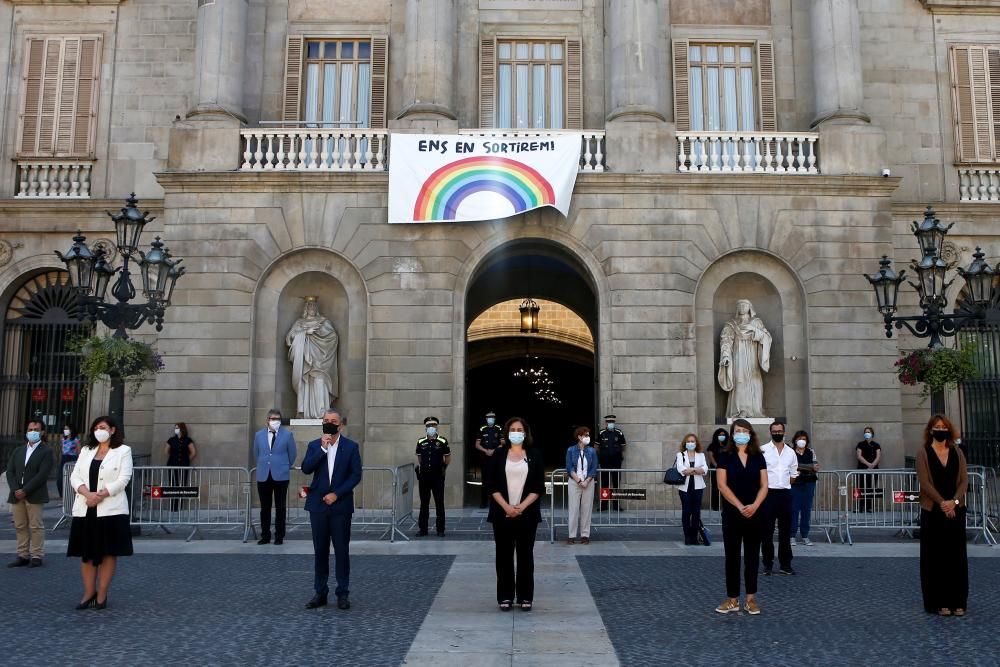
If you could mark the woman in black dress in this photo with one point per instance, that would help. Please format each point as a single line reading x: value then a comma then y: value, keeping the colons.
x: 944, y: 564
x: 180, y: 452
x: 100, y: 531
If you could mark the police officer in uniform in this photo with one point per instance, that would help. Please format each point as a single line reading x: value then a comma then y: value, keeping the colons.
x: 487, y: 441
x: 433, y: 456
x: 610, y: 455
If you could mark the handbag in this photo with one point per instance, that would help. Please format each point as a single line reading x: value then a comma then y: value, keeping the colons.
x: 673, y: 476
x: 706, y: 537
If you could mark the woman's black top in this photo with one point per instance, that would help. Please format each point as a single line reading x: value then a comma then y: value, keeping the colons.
x: 944, y: 477
x: 742, y: 480
x: 806, y: 458
x: 179, y: 455
x: 496, y: 481
x: 716, y: 451
x: 869, y: 448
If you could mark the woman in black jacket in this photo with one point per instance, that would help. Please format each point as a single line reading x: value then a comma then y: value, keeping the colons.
x: 516, y: 484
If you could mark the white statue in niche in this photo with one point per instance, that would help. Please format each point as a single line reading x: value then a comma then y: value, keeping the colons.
x: 312, y: 348
x: 745, y: 354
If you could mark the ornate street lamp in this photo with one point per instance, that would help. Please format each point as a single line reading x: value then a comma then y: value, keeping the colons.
x: 979, y: 279
x: 529, y: 316
x: 91, y: 273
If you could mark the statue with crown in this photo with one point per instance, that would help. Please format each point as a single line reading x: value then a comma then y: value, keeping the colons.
x: 312, y: 348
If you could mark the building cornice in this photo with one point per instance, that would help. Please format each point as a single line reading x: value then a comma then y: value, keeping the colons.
x: 979, y: 212
x: 65, y: 2
x: 962, y: 6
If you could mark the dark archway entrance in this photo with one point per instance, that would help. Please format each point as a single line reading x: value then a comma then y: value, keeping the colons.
x: 548, y: 378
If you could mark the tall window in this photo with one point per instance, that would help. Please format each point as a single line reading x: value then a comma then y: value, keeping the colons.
x: 722, y: 87
x: 531, y: 82
x: 338, y: 83
x: 59, y: 96
x: 975, y: 85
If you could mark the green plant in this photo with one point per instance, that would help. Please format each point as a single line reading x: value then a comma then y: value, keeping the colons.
x: 101, y: 357
x: 937, y: 369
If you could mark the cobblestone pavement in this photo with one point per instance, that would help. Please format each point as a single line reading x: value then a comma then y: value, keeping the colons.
x: 835, y: 611
x: 217, y: 610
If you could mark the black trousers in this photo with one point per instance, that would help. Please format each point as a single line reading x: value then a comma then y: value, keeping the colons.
x: 740, y: 532
x: 944, y: 561
x: 279, y: 491
x: 178, y: 478
x: 515, y: 537
x: 691, y: 514
x: 431, y: 484
x: 777, y: 509
x: 610, y: 479
x: 329, y: 528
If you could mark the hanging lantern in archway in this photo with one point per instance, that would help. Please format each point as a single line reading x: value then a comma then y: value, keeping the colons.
x: 529, y: 316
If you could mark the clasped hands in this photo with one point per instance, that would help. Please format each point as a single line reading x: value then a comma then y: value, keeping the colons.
x: 94, y: 499
x: 513, y: 511
x: 948, y: 507
x: 749, y: 510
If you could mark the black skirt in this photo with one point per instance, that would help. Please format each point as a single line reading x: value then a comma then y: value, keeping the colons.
x: 91, y: 538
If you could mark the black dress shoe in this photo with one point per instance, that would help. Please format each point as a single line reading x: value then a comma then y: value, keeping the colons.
x: 264, y: 540
x: 88, y: 603
x: 316, y: 602
x: 767, y: 572
x: 343, y: 602
x: 422, y: 533
x: 35, y: 562
x: 278, y: 541
x: 100, y: 605
x: 20, y: 562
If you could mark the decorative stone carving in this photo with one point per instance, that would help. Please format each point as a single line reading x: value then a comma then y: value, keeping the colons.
x: 312, y: 348
x: 950, y: 254
x: 7, y: 251
x: 745, y: 355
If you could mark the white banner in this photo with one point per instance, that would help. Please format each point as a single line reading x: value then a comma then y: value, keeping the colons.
x: 457, y: 178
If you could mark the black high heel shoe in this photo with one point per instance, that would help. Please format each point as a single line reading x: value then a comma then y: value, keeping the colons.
x: 88, y: 603
x: 100, y: 605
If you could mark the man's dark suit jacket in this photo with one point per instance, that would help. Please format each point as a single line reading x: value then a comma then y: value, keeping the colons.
x: 32, y: 476
x: 346, y: 476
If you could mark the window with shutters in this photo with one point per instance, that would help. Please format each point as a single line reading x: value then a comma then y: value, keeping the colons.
x: 59, y: 96
x: 336, y: 83
x: 975, y: 84
x: 530, y: 83
x: 724, y: 86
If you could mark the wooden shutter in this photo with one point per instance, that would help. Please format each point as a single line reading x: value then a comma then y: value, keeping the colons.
x: 993, y: 63
x: 487, y: 81
x: 292, y: 109
x: 973, y: 90
x: 765, y: 78
x: 574, y: 84
x: 682, y: 86
x: 380, y: 68
x: 58, y: 113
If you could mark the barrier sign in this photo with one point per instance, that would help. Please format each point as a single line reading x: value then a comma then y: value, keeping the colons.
x: 906, y: 497
x: 623, y: 494
x: 165, y: 492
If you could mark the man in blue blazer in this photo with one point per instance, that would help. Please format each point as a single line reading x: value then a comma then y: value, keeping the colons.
x: 335, y: 464
x: 274, y: 452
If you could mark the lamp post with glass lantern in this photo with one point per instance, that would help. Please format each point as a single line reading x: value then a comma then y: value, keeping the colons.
x: 935, y: 322
x: 91, y: 273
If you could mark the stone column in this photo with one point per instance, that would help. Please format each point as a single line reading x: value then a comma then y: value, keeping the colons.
x: 219, y: 57
x: 428, y: 89
x: 848, y: 142
x: 639, y: 128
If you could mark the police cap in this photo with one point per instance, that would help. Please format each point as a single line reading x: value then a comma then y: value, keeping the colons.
x: 431, y: 420
x: 610, y: 418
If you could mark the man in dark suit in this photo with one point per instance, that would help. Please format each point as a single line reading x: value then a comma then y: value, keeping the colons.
x: 274, y: 452
x: 335, y: 464
x: 28, y: 476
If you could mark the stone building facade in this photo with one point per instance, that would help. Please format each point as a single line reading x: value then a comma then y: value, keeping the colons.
x: 766, y: 149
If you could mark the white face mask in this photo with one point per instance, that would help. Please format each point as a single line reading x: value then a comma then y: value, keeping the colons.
x: 102, y: 435
x: 177, y: 432
x: 516, y: 437
x: 611, y: 426
x: 67, y: 432
x: 432, y: 430
x: 801, y: 444
x: 275, y: 424
x: 490, y: 421
x: 585, y: 440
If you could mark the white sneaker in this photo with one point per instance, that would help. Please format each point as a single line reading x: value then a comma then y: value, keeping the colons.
x: 807, y: 542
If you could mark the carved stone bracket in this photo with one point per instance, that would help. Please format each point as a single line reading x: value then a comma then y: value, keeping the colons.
x: 7, y: 251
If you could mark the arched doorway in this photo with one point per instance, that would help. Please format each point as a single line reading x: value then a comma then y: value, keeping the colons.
x: 549, y: 378
x: 39, y: 378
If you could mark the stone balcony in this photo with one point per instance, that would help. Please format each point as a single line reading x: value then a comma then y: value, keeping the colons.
x: 53, y: 178
x: 748, y: 152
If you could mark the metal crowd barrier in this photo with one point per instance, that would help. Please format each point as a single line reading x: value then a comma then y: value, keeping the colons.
x: 384, y: 498
x: 69, y: 495
x: 192, y: 496
x: 890, y: 499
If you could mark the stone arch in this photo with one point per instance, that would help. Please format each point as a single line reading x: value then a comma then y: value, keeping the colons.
x: 276, y: 304
x: 765, y: 278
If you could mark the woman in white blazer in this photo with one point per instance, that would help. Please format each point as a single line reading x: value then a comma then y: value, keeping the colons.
x: 100, y: 530
x: 691, y: 463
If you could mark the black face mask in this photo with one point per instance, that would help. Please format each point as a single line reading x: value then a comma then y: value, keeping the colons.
x: 940, y: 436
x: 330, y: 429
x: 777, y: 437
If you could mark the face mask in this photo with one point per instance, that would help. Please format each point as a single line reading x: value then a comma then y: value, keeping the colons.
x: 177, y: 432
x: 490, y: 421
x: 801, y: 444
x: 690, y: 446
x: 274, y: 424
x: 940, y: 435
x: 741, y: 439
x: 868, y: 436
x: 102, y: 435
x: 585, y: 440
x: 515, y: 437
x: 958, y: 441
x: 67, y: 432
x: 611, y: 425
x: 722, y: 437
x: 432, y: 430
x: 778, y: 437
x: 33, y: 436
x: 330, y: 429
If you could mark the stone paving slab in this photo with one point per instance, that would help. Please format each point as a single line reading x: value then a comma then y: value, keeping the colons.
x: 182, y: 609
x: 835, y: 611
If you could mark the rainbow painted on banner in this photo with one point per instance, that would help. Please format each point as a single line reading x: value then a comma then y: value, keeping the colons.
x: 445, y: 190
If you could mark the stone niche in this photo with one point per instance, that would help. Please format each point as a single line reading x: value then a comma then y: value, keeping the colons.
x: 778, y: 300
x: 720, y: 12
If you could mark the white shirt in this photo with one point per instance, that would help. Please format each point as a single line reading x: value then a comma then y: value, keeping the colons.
x: 331, y: 457
x: 581, y: 465
x: 781, y: 467
x: 699, y: 463
x: 517, y: 475
x: 29, y: 449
